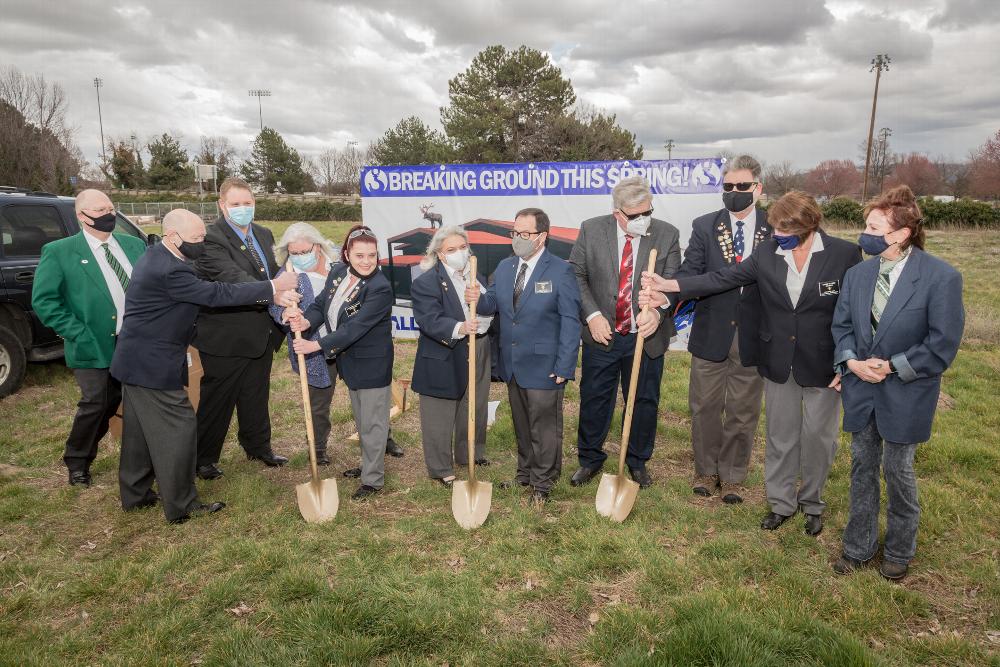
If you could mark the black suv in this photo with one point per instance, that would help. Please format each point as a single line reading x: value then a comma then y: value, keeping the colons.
x: 29, y: 220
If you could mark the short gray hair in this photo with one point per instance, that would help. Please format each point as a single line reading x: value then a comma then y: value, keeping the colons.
x: 431, y: 257
x: 303, y: 231
x: 631, y: 192
x: 741, y: 162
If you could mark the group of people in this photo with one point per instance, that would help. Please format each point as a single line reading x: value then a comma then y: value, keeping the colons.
x: 784, y: 310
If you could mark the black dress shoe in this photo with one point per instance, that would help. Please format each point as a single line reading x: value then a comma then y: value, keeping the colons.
x: 583, y: 475
x: 482, y: 462
x: 511, y: 483
x: 392, y: 449
x: 322, y: 459
x: 364, y: 491
x: 540, y: 497
x: 270, y: 459
x: 893, y: 571
x: 79, y: 478
x: 814, y: 524
x: 847, y: 565
x: 353, y: 473
x: 211, y: 471
x: 200, y: 509
x: 641, y: 475
x: 772, y: 521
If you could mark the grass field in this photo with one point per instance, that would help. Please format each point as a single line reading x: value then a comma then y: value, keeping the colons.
x: 684, y: 581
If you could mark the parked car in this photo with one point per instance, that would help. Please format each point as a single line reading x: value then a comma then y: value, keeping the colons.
x: 29, y: 220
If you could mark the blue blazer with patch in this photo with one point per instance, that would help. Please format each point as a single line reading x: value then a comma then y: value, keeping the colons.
x: 362, y: 343
x: 441, y: 368
x: 919, y: 332
x: 542, y: 336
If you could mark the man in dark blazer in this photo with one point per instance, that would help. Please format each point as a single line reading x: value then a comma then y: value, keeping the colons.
x: 79, y: 291
x: 725, y: 390
x: 236, y: 343
x: 159, y: 430
x: 608, y: 259
x: 538, y: 301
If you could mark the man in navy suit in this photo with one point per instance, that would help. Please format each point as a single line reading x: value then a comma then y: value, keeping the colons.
x: 538, y: 301
x: 159, y: 436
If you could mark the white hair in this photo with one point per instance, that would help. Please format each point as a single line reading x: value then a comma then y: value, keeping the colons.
x: 631, y: 192
x: 431, y: 257
x: 303, y: 231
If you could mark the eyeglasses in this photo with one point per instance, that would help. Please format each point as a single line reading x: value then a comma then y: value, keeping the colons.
x: 364, y: 231
x: 301, y: 252
x: 636, y: 215
x: 742, y: 187
x: 524, y: 235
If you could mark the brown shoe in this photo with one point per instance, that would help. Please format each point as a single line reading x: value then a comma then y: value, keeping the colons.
x: 732, y: 493
x: 705, y: 485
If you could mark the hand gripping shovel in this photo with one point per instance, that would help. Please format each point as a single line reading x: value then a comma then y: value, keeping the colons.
x: 470, y: 501
x: 318, y: 498
x: 616, y: 493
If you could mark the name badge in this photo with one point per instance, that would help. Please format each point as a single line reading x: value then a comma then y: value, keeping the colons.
x: 543, y: 287
x: 830, y: 288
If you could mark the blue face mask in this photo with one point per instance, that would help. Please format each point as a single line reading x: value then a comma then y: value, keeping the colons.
x: 304, y: 262
x: 241, y: 216
x: 786, y: 242
x: 872, y: 244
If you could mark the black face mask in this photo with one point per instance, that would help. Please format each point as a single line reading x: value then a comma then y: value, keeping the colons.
x: 353, y: 272
x: 737, y: 201
x: 191, y: 250
x: 104, y: 223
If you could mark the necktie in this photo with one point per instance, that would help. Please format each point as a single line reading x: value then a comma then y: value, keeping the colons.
x: 623, y: 308
x: 248, y: 242
x: 882, y: 290
x: 738, y: 245
x: 116, y: 267
x: 519, y: 283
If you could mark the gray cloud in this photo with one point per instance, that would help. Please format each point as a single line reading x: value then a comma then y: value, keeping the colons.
x: 960, y: 14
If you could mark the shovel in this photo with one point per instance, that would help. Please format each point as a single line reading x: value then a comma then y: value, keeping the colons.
x: 470, y: 500
x: 318, y: 498
x: 616, y: 493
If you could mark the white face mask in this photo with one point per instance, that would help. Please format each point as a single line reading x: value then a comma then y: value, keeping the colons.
x: 457, y: 260
x: 638, y: 226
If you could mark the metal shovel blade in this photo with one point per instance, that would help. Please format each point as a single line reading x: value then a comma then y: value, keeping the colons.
x: 470, y: 502
x: 318, y: 501
x: 616, y: 496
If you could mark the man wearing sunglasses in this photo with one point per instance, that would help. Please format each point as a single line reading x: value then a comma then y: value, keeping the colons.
x: 608, y: 258
x: 725, y: 389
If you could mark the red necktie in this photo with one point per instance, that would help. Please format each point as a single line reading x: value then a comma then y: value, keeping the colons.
x: 623, y: 309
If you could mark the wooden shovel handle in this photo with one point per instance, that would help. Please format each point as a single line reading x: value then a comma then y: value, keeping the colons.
x: 304, y: 384
x: 471, y: 436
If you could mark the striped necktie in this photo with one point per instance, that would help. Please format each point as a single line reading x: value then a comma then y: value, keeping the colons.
x: 116, y: 267
x: 882, y: 290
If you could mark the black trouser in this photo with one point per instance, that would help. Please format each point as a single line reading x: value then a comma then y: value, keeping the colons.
x: 602, y: 374
x: 240, y: 383
x: 100, y: 396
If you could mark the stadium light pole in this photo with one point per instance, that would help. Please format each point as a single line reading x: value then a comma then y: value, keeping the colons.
x: 259, y: 93
x: 879, y: 63
x: 98, y: 82
x: 670, y: 148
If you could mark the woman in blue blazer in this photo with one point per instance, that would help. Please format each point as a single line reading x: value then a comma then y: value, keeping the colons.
x: 352, y: 317
x: 441, y: 368
x: 897, y: 328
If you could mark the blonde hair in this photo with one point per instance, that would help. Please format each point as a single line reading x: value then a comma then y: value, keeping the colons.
x: 303, y: 231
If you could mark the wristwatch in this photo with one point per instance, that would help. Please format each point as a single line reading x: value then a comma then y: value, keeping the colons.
x: 892, y: 369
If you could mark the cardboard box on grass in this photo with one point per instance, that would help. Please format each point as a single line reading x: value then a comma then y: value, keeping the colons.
x: 195, y: 371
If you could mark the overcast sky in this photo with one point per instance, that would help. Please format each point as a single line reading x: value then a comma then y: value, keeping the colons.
x: 782, y: 79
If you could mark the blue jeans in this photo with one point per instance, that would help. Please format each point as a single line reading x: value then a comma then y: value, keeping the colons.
x: 903, y: 511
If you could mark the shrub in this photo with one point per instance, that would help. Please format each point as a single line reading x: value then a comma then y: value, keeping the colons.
x: 843, y: 211
x: 960, y: 213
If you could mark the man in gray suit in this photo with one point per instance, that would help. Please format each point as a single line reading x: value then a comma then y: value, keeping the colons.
x: 608, y: 259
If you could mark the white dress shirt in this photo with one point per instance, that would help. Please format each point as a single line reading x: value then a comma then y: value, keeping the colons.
x: 749, y: 229
x: 795, y: 279
x: 110, y: 277
x: 347, y: 285
x: 621, y: 235
x: 458, y: 282
x: 532, y: 262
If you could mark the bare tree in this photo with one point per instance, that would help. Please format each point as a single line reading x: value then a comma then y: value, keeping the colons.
x: 220, y: 152
x: 324, y: 170
x: 780, y: 178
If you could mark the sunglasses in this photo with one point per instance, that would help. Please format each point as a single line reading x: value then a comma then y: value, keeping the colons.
x: 364, y: 231
x: 742, y: 187
x: 636, y: 215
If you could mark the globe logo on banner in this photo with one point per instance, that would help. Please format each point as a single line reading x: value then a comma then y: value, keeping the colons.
x: 706, y: 173
x: 375, y: 180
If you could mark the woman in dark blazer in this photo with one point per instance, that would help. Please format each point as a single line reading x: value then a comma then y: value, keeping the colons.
x: 441, y: 368
x: 897, y: 328
x: 352, y: 317
x: 798, y: 273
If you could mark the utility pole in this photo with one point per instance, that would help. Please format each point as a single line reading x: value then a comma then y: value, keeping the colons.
x: 98, y: 82
x: 670, y: 148
x: 259, y: 93
x: 883, y: 140
x: 879, y: 63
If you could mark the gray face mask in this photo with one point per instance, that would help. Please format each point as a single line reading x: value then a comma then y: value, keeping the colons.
x: 523, y: 248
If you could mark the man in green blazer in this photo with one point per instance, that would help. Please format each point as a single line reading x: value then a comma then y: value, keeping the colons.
x: 79, y: 291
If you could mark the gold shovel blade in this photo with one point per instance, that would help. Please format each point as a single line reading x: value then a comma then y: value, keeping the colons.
x: 318, y: 502
x: 470, y: 502
x: 616, y: 496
